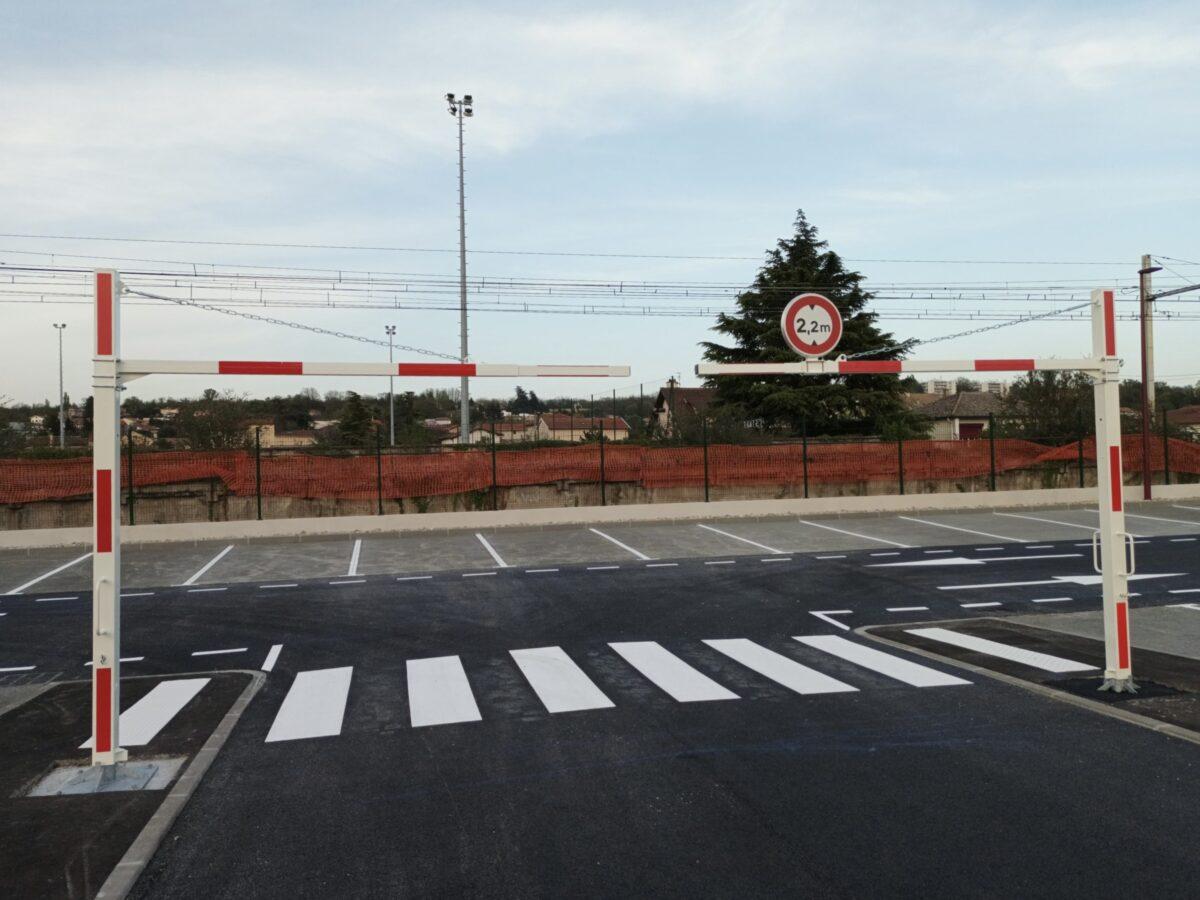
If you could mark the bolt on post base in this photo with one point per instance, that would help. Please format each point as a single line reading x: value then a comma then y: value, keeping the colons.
x: 1124, y: 685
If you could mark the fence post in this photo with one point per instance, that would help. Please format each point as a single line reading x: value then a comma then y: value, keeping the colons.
x: 1081, y: 451
x: 603, y: 497
x: 704, y: 438
x: 804, y: 453
x: 992, y: 450
x: 1166, y: 452
x: 495, y: 503
x: 129, y: 437
x: 379, y: 466
x: 258, y: 469
x: 900, y: 457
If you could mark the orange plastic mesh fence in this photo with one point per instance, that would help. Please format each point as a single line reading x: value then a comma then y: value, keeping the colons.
x: 452, y: 472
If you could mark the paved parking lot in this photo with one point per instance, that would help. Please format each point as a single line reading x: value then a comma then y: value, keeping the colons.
x: 217, y: 562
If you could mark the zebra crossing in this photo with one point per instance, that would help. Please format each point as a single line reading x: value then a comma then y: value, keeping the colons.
x: 440, y: 692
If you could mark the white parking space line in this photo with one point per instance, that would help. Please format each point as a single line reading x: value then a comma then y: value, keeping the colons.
x: 208, y: 565
x: 17, y: 669
x: 1191, y: 522
x: 146, y: 718
x: 439, y: 693
x: 559, y: 683
x: 902, y: 670
x: 1043, y: 661
x: 672, y: 674
x: 491, y: 550
x: 980, y: 605
x: 608, y: 537
x: 1052, y: 600
x: 314, y: 706
x: 219, y: 652
x: 865, y: 537
x: 999, y: 537
x: 352, y: 570
x: 908, y: 609
x: 742, y: 539
x: 780, y: 669
x: 61, y: 568
x: 272, y: 657
x: 1046, y: 521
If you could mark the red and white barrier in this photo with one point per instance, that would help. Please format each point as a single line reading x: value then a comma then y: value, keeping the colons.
x: 109, y: 373
x: 1104, y: 368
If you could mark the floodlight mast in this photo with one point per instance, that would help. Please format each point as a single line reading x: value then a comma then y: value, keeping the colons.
x: 1104, y: 368
x: 460, y: 109
x: 109, y: 373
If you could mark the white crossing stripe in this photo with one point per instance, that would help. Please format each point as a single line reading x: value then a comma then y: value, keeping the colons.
x: 671, y: 673
x: 146, y: 718
x: 779, y: 668
x: 1043, y: 661
x: 272, y: 657
x: 439, y: 693
x: 314, y: 705
x: 560, y: 684
x: 877, y: 661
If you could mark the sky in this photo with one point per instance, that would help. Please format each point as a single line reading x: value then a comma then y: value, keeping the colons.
x: 1043, y: 133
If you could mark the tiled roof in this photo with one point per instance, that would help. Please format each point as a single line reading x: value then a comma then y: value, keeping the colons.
x: 966, y: 405
x: 582, y: 422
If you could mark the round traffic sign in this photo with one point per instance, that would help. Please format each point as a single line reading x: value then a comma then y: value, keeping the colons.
x: 812, y: 324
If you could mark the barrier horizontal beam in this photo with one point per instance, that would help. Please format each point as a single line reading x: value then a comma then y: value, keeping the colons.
x: 139, y: 367
x: 893, y: 366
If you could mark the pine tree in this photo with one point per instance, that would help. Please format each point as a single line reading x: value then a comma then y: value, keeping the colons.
x: 356, y: 427
x: 824, y: 404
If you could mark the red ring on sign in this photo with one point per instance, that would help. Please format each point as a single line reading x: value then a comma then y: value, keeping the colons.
x: 795, y: 340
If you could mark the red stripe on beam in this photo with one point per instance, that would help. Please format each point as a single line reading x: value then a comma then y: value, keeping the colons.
x: 1114, y: 476
x: 104, y: 314
x: 103, y: 709
x: 1123, y: 635
x: 435, y: 369
x: 868, y: 367
x: 104, y: 501
x: 1110, y: 326
x: 242, y: 367
x: 1004, y: 365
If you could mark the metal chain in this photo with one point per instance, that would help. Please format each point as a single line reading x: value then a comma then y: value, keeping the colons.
x: 297, y: 325
x: 947, y: 337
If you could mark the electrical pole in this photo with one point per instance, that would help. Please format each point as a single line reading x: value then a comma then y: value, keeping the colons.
x: 460, y: 109
x: 62, y: 405
x: 391, y: 333
x: 1146, y: 318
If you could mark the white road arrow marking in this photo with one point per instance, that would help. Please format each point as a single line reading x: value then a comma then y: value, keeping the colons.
x: 824, y: 615
x: 966, y: 561
x: 1085, y: 580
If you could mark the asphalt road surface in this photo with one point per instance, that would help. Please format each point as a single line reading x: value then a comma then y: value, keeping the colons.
x: 686, y: 713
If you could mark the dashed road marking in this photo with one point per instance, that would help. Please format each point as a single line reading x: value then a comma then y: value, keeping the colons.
x: 661, y: 565
x: 208, y: 565
x: 414, y: 578
x: 351, y: 581
x: 208, y: 590
x: 939, y: 551
x: 219, y: 652
x: 835, y: 556
x: 1185, y: 591
x: 771, y: 559
x: 1052, y: 600
x: 476, y: 574
x: 1039, y: 547
x: 54, y: 599
x: 272, y: 587
x: 908, y: 609
x: 124, y: 659
x: 62, y: 568
x: 18, y: 669
x: 491, y: 551
x: 742, y: 539
x: 608, y: 537
x: 139, y: 594
x: 980, y: 605
x: 601, y: 568
x: 720, y: 562
x: 1181, y: 540
x: 538, y: 571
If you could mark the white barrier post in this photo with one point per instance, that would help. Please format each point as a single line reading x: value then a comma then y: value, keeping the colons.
x: 106, y: 522
x: 1113, y: 565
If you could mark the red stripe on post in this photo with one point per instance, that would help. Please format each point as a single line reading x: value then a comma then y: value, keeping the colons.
x: 1004, y: 365
x: 435, y: 369
x: 1115, y: 477
x: 1110, y: 326
x: 103, y: 709
x: 869, y: 367
x: 104, y: 314
x: 243, y: 367
x: 1123, y: 635
x: 104, y: 501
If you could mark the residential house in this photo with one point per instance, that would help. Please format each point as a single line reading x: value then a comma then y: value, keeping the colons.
x: 559, y: 426
x: 507, y: 432
x: 961, y: 416
x: 270, y: 436
x: 1186, y: 418
x: 681, y: 404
